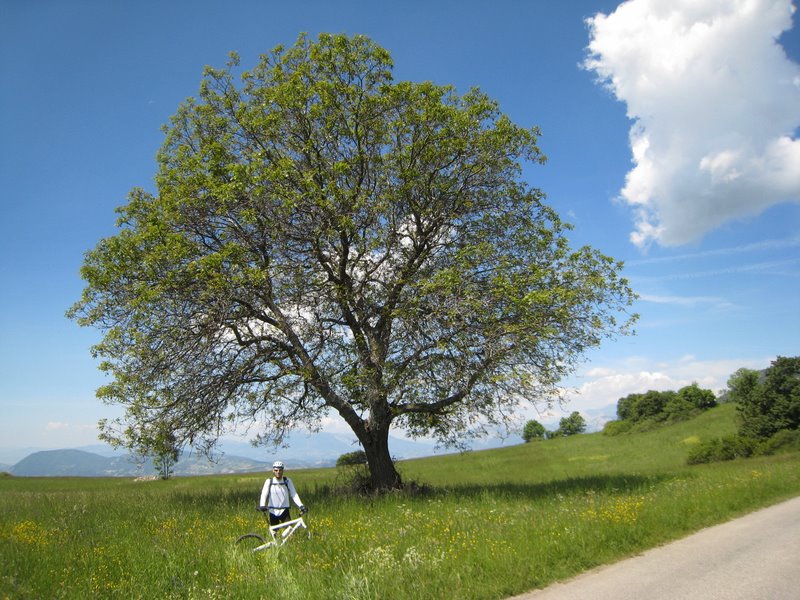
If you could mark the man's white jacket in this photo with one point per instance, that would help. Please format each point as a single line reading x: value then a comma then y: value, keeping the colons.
x: 276, y: 493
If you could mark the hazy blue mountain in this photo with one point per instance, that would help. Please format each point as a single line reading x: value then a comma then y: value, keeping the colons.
x: 79, y: 463
x: 301, y: 449
x: 61, y: 463
x: 103, y: 450
x: 319, y: 449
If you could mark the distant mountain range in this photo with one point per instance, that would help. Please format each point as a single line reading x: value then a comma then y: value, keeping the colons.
x: 79, y: 463
x: 233, y: 456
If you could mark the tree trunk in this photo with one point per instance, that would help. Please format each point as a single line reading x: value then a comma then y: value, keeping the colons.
x: 383, y: 475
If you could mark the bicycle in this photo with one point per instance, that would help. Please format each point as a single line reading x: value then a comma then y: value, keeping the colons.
x: 279, y: 535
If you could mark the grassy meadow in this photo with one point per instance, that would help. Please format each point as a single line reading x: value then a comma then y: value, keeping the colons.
x: 494, y: 523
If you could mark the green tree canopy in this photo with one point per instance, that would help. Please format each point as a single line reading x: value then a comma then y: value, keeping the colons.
x: 571, y: 425
x: 357, y: 457
x: 324, y: 238
x: 770, y: 402
x: 697, y: 397
x: 533, y: 430
x: 657, y: 406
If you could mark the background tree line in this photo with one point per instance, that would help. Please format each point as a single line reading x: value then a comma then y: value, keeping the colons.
x: 635, y: 412
x: 768, y: 404
x: 645, y: 411
x: 571, y: 425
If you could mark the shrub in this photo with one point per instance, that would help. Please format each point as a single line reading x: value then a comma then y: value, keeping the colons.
x: 697, y: 397
x: 678, y: 409
x: 359, y: 457
x: 571, y: 425
x: 785, y: 440
x: 613, y: 428
x: 720, y: 449
x: 654, y: 408
x: 533, y: 431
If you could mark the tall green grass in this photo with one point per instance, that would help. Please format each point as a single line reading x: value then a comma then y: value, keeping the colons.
x: 493, y: 524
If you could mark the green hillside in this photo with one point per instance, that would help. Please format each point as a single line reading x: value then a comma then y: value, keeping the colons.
x: 487, y: 524
x: 582, y: 455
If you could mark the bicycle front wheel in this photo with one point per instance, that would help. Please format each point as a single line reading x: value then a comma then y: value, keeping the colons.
x: 252, y: 542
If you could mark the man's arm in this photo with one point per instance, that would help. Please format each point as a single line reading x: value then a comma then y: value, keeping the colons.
x: 294, y: 496
x: 263, y: 502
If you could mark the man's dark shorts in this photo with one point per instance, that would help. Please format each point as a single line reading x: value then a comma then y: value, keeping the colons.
x: 279, y: 518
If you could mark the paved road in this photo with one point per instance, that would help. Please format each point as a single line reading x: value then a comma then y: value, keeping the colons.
x: 756, y: 557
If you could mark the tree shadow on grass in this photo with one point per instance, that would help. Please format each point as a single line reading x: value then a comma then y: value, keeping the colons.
x: 316, y: 494
x: 571, y: 486
x: 607, y: 484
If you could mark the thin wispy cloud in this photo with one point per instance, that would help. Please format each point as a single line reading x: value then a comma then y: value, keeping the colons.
x: 715, y: 103
x: 686, y: 301
x: 789, y: 267
x: 765, y: 245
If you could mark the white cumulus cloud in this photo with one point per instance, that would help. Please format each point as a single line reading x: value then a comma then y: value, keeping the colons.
x: 715, y: 105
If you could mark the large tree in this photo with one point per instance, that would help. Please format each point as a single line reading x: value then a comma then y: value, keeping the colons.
x: 325, y: 239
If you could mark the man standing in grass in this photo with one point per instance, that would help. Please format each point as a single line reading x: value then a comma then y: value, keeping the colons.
x: 275, y: 496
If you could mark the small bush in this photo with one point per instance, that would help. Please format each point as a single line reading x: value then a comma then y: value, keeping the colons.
x: 720, y: 449
x: 533, y: 430
x: 352, y: 474
x: 786, y: 440
x: 352, y: 480
x: 359, y: 457
x: 613, y: 428
x: 571, y: 425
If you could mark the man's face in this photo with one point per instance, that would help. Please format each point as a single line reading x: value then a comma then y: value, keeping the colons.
x: 278, y: 472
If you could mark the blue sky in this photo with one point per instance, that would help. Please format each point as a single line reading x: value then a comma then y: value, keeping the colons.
x: 671, y: 130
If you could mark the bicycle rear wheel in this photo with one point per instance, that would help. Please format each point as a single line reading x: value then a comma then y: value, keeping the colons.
x: 252, y: 542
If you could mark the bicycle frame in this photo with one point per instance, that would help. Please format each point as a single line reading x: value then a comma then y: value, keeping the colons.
x: 279, y: 534
x: 289, y: 527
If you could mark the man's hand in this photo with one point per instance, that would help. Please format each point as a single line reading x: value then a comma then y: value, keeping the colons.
x: 303, y: 509
x: 263, y: 508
